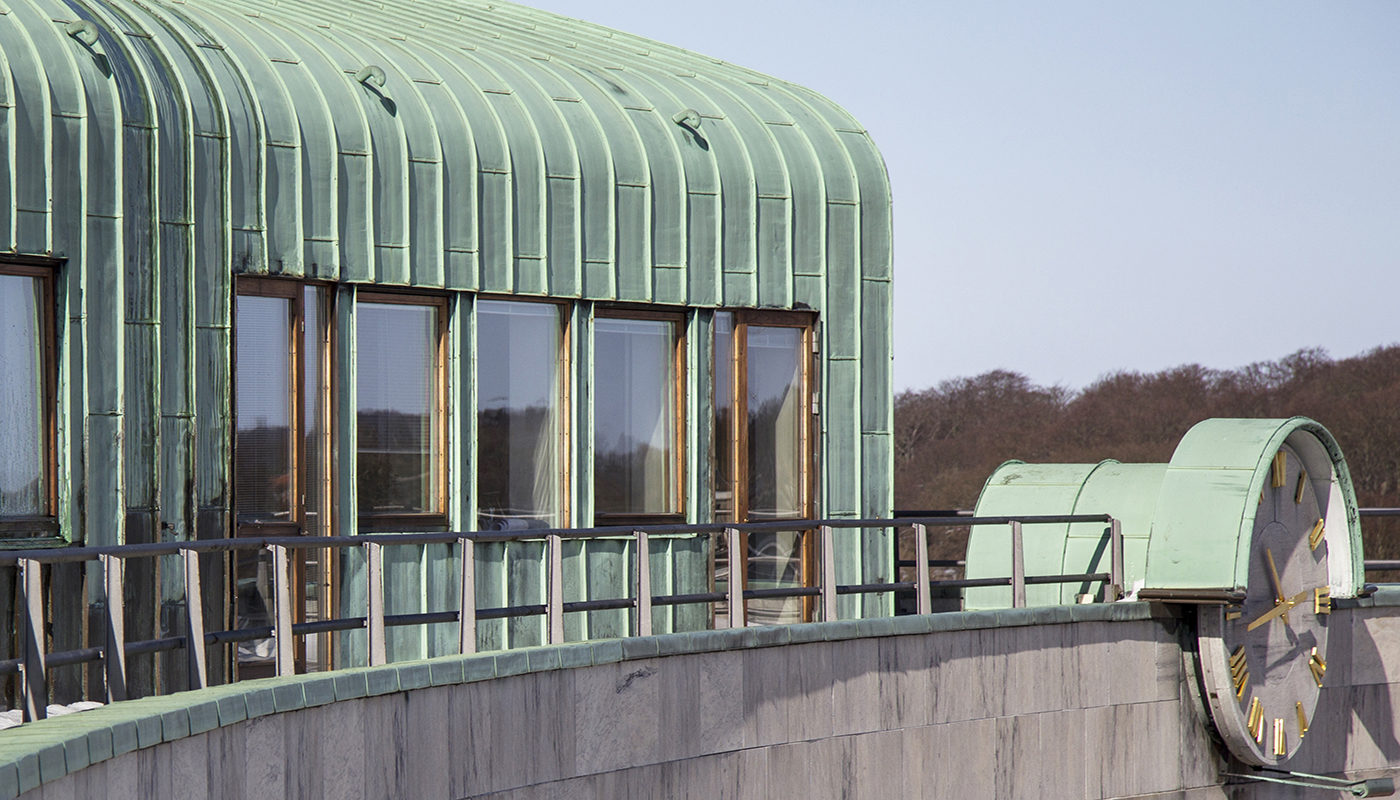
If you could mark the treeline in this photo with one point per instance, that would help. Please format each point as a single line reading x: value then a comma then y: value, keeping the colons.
x: 949, y: 438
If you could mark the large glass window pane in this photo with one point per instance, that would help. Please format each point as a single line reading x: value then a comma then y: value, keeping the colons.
x: 264, y: 448
x: 398, y: 390
x: 634, y: 401
x: 775, y: 423
x: 724, y: 417
x: 23, y: 419
x: 517, y: 383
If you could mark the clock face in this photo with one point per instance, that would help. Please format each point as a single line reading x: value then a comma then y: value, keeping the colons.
x: 1263, y: 662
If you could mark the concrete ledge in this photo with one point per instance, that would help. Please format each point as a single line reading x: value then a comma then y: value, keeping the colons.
x: 47, y: 750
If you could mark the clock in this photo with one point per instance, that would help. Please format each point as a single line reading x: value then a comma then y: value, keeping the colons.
x: 1263, y: 661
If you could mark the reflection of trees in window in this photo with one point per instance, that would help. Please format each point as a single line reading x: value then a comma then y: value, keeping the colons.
x: 635, y: 430
x: 519, y: 350
x: 398, y: 385
x: 506, y: 498
x: 394, y: 471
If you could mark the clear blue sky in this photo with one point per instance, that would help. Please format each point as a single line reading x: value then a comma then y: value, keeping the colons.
x: 1083, y: 187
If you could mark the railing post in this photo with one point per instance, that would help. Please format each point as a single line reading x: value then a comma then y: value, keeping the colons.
x: 466, y: 615
x: 114, y: 654
x: 374, y: 616
x: 738, y: 569
x: 282, y: 599
x: 642, y: 584
x: 194, y: 622
x: 1018, y: 567
x: 828, y: 555
x: 36, y: 686
x: 1114, y: 590
x: 554, y: 608
x: 923, y: 593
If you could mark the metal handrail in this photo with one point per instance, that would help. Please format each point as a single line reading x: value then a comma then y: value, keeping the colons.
x: 34, y: 661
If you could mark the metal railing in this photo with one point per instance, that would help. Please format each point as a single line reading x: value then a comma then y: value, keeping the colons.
x: 1380, y: 564
x: 34, y: 661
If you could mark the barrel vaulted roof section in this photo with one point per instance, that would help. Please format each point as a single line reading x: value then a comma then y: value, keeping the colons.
x: 465, y: 145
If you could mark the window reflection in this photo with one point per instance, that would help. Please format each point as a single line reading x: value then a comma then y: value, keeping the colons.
x: 775, y: 422
x: 634, y: 405
x: 518, y: 439
x: 264, y: 445
x: 23, y: 421
x: 397, y: 382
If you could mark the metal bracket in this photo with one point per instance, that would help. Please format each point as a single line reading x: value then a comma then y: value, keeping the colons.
x: 1375, y: 787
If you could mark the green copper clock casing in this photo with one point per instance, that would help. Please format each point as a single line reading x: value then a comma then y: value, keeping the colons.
x: 1227, y: 513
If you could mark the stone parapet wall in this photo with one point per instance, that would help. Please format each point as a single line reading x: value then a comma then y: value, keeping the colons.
x: 1068, y: 702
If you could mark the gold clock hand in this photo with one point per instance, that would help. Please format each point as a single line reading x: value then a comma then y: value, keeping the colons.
x: 1280, y: 609
x: 1278, y: 585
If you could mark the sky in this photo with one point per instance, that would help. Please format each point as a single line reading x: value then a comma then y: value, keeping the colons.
x: 1082, y: 187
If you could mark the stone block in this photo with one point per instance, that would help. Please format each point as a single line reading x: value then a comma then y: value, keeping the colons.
x: 99, y: 745
x: 855, y: 687
x: 265, y: 757
x: 342, y: 752
x: 615, y: 720
x: 701, y: 705
x: 189, y: 767
x: 148, y: 731
x: 204, y: 717
x: 963, y: 761
x: 428, y: 746
x: 905, y: 688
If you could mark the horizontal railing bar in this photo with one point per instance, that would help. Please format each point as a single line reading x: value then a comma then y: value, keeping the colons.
x: 507, y: 612
x: 1381, y: 564
x: 875, y: 588
x: 153, y: 549
x: 686, y: 599
x: 155, y: 645
x: 234, y: 636
x: 600, y: 605
x: 68, y: 658
x: 971, y: 583
x: 1378, y: 512
x: 1088, y: 576
x: 424, y: 618
x: 10, y: 666
x: 329, y: 625
x: 932, y: 562
x: 765, y: 594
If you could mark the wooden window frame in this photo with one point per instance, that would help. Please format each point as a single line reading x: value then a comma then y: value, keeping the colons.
x: 565, y: 397
x: 294, y: 291
x: 426, y: 521
x: 680, y: 319
x: 37, y: 529
x: 737, y: 438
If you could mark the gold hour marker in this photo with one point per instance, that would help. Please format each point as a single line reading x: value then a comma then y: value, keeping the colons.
x: 1233, y: 612
x: 1302, y: 721
x: 1261, y: 497
x: 1318, y: 666
x: 1256, y: 720
x: 1280, y: 743
x: 1302, y: 482
x: 1239, y: 671
x: 1322, y: 600
x: 1318, y: 532
x: 1280, y: 468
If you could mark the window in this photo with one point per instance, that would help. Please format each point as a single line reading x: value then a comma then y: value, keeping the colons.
x: 27, y: 398
x: 519, y: 365
x: 762, y: 447
x: 281, y: 472
x: 400, y: 391
x: 637, y: 361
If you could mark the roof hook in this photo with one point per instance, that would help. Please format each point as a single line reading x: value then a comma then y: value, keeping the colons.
x: 82, y: 30
x: 687, y: 118
x: 370, y: 73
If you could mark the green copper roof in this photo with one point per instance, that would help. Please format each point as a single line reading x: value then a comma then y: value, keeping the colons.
x: 469, y: 145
